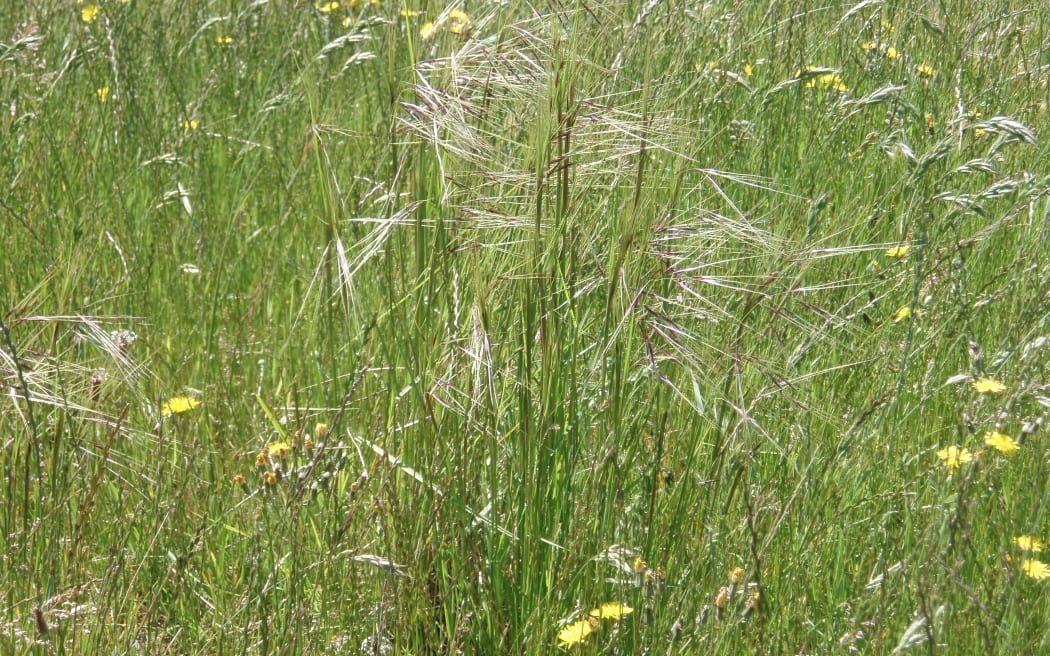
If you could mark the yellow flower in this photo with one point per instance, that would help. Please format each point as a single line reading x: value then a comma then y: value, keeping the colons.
x: 954, y: 456
x: 223, y: 40
x: 736, y: 575
x: 270, y: 478
x: 869, y: 45
x: 179, y: 404
x: 902, y: 313
x: 320, y: 430
x: 1029, y: 543
x: 88, y: 13
x: 612, y: 610
x: 925, y: 70
x: 261, y: 458
x: 459, y: 22
x: 722, y: 597
x: 576, y: 632
x: 427, y: 30
x: 639, y: 565
x: 1001, y: 443
x: 830, y: 80
x: 898, y: 251
x: 278, y: 449
x: 102, y: 93
x: 886, y: 26
x: 1035, y: 569
x: 988, y: 386
x: 892, y: 53
x: 191, y: 124
x: 326, y: 7
x: 748, y: 70
x: 238, y: 480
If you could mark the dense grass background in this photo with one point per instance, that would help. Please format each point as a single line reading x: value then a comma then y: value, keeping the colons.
x: 560, y: 305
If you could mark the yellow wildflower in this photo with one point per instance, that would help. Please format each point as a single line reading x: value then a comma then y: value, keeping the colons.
x: 955, y: 456
x: 224, y: 40
x: 102, y: 93
x: 898, y: 251
x: 576, y: 632
x: 1029, y: 543
x: 612, y: 610
x: 925, y: 70
x: 902, y: 313
x: 639, y: 565
x: 261, y: 458
x: 326, y: 7
x: 88, y: 13
x: 988, y: 386
x: 736, y: 575
x: 178, y: 405
x: 238, y: 480
x: 427, y: 30
x: 1035, y: 569
x: 190, y: 124
x: 1001, y: 443
x: 459, y: 22
x: 892, y: 53
x: 270, y: 478
x: 278, y: 450
x: 748, y: 70
x: 320, y: 430
x: 722, y: 598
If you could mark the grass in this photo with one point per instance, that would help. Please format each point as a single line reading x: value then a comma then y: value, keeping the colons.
x: 599, y: 303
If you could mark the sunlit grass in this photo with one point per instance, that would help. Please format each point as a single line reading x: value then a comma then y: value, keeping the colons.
x: 361, y: 327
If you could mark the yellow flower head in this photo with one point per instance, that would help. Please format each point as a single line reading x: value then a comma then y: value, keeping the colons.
x: 459, y: 22
x: 576, y: 632
x: 278, y: 450
x: 902, y: 313
x: 1035, y: 569
x: 427, y: 30
x: 892, y: 53
x: 925, y: 70
x: 1002, y: 443
x: 238, y: 480
x: 88, y: 13
x: 1029, y: 543
x: 736, y: 575
x: 326, y: 7
x: 190, y: 124
x: 179, y: 404
x: 270, y: 478
x: 223, y: 40
x: 722, y: 598
x: 955, y: 456
x: 102, y: 93
x: 320, y: 430
x: 988, y: 386
x: 611, y: 610
x: 898, y: 251
x: 261, y: 458
x: 639, y: 566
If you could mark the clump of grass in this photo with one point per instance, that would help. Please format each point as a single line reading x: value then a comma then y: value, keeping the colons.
x: 465, y: 329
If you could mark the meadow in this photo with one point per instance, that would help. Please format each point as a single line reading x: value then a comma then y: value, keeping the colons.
x: 621, y: 327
